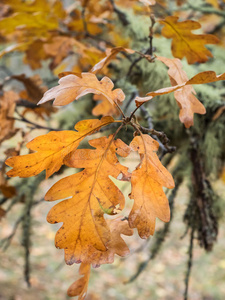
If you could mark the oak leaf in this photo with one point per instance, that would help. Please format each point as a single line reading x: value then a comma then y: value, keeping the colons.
x: 93, y: 193
x: 38, y: 23
x: 52, y: 148
x: 104, y: 108
x: 203, y: 77
x: 115, y: 246
x: 185, y: 96
x: 79, y: 287
x: 147, y: 183
x: 58, y: 48
x: 73, y: 87
x: 185, y: 43
x: 110, y: 54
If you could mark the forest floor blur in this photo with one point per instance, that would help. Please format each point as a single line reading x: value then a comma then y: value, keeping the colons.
x: 162, y: 279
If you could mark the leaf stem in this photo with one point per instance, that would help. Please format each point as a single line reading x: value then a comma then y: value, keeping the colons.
x: 120, y: 109
x: 36, y: 126
x: 133, y: 112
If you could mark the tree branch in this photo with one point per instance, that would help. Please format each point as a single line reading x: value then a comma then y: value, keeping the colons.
x: 122, y: 16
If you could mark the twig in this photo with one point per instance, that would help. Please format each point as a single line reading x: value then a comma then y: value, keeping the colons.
x: 25, y: 103
x: 142, y: 55
x: 83, y: 18
x: 4, y: 243
x: 132, y: 97
x: 36, y: 126
x: 152, y: 18
x: 122, y: 16
x: 161, y: 137
x: 148, y: 54
x: 146, y: 116
x: 189, y: 264
x: 206, y: 10
x: 26, y: 242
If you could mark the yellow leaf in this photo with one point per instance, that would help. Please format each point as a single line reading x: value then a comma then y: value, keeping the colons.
x: 185, y: 43
x: 52, y: 148
x: 39, y: 21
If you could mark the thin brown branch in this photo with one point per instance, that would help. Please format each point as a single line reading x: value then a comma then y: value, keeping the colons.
x: 189, y: 263
x: 35, y: 125
x: 121, y: 15
x: 206, y: 10
x: 152, y: 18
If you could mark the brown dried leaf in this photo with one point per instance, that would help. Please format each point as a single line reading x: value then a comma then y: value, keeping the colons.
x: 72, y: 87
x: 185, y: 98
x: 203, y: 77
x: 110, y: 54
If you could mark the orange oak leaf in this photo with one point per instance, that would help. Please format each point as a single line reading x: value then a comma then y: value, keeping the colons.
x: 147, y: 183
x: 79, y: 287
x: 206, y: 77
x: 115, y: 246
x: 185, y: 43
x: 73, y: 87
x: 185, y: 96
x: 110, y: 54
x: 93, y: 193
x: 104, y: 108
x: 52, y: 148
x: 203, y: 77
